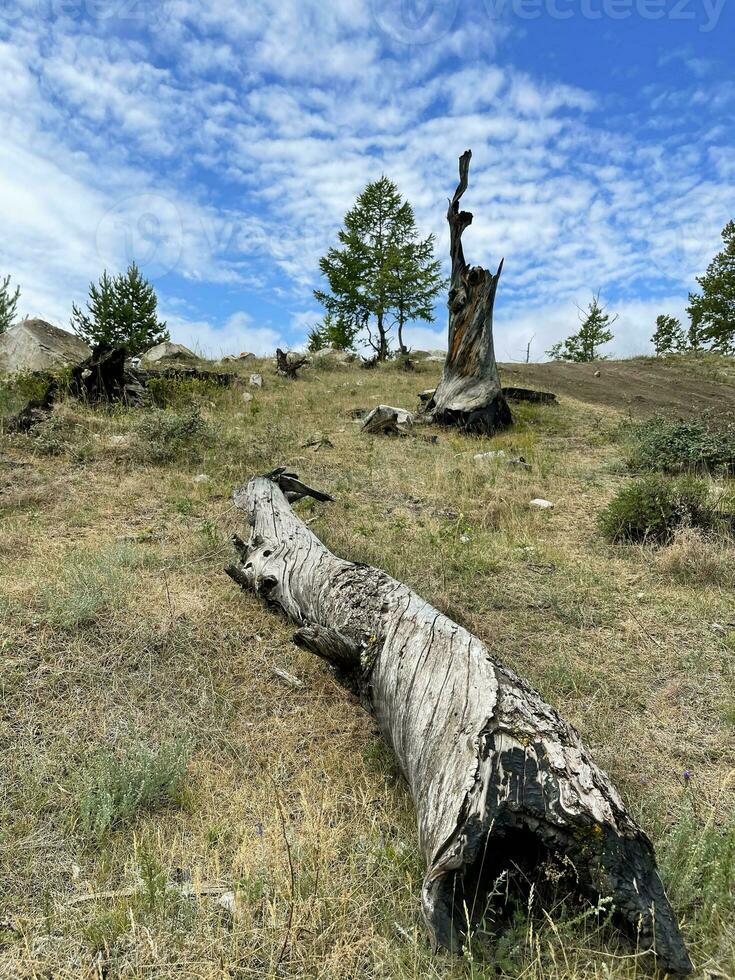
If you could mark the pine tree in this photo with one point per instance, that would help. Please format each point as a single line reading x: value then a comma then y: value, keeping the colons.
x: 8, y: 303
x: 593, y: 333
x: 712, y: 312
x: 669, y: 338
x: 121, y: 313
x: 382, y: 272
x: 414, y: 275
x: 332, y: 332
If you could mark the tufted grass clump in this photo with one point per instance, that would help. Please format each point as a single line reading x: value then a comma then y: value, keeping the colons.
x: 113, y: 788
x: 89, y: 585
x: 697, y: 558
x: 704, y: 444
x: 165, y: 435
x: 652, y: 509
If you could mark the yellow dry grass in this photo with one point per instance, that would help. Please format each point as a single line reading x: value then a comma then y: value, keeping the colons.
x: 118, y: 628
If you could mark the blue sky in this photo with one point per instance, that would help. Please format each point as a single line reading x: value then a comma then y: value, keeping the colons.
x: 220, y: 144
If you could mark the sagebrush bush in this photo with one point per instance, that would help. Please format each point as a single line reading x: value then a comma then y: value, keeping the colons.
x: 113, y: 788
x: 653, y: 508
x: 696, y: 557
x: 165, y: 435
x: 706, y: 443
x: 89, y: 584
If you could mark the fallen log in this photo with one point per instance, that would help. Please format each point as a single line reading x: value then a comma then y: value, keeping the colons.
x: 469, y: 393
x: 528, y: 395
x: 498, y: 778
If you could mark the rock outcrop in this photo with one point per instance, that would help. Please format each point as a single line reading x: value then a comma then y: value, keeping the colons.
x: 34, y: 345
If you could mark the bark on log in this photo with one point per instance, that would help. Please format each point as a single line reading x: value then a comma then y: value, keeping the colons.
x: 496, y: 775
x: 469, y: 394
x: 529, y: 395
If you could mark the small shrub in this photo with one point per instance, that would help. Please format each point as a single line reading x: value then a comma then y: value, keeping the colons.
x: 698, y: 861
x: 88, y: 585
x: 653, y: 508
x: 694, y: 557
x: 673, y: 446
x: 165, y: 435
x: 179, y: 393
x: 19, y: 389
x: 112, y: 789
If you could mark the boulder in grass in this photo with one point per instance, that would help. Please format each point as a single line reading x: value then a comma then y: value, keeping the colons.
x: 168, y: 354
x: 35, y: 345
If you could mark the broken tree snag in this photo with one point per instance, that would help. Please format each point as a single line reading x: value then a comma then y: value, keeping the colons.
x: 498, y: 778
x: 287, y: 366
x: 387, y: 420
x: 469, y: 394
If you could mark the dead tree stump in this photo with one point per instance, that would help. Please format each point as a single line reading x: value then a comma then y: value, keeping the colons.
x: 469, y: 394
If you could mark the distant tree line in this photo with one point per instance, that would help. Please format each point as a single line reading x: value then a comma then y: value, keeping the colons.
x: 711, y: 317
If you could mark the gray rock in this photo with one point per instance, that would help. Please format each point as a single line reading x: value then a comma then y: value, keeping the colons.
x: 166, y: 354
x: 34, y: 345
x: 335, y: 356
x: 256, y: 380
x: 540, y: 504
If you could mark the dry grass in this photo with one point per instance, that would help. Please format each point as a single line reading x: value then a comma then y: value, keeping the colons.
x: 118, y: 629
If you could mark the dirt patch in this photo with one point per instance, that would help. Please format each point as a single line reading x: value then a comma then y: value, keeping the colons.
x: 640, y: 387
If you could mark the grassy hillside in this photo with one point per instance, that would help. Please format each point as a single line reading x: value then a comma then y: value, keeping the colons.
x: 146, y: 739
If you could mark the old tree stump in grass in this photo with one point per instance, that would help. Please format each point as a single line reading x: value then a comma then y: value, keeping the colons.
x: 498, y: 778
x: 469, y: 394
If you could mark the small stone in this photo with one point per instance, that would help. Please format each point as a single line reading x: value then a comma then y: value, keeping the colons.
x: 202, y: 478
x: 597, y: 374
x: 464, y: 538
x: 246, y: 396
x: 542, y: 504
x: 256, y: 380
x: 228, y: 902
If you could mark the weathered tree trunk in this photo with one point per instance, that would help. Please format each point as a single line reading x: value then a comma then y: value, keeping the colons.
x: 497, y: 777
x: 469, y: 394
x: 288, y: 366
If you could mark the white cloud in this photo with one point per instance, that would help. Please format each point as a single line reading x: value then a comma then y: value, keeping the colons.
x: 237, y: 335
x: 227, y: 147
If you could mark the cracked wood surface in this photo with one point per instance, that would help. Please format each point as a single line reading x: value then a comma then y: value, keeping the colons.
x: 494, y: 772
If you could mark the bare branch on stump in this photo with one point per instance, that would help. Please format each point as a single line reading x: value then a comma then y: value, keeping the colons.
x: 498, y: 778
x: 469, y: 394
x: 287, y: 366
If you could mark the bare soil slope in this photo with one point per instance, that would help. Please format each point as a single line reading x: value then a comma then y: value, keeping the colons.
x: 641, y: 386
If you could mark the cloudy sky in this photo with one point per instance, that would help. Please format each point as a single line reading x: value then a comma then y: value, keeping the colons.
x: 219, y: 144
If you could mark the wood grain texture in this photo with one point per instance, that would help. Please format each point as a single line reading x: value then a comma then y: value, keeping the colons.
x: 496, y: 775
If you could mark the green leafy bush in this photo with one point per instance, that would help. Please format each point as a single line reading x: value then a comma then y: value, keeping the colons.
x: 653, y: 508
x: 19, y: 389
x: 113, y: 788
x: 165, y: 435
x: 675, y: 446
